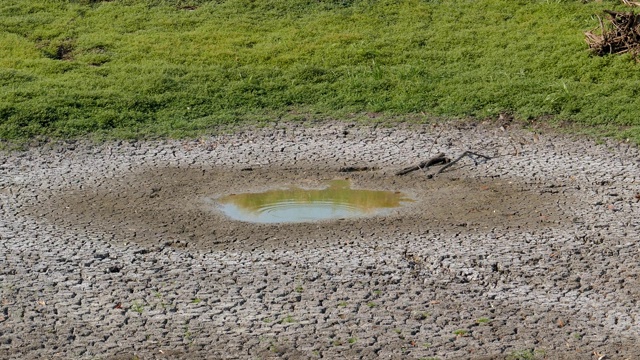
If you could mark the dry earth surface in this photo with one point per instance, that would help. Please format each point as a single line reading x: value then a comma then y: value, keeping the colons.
x: 114, y: 251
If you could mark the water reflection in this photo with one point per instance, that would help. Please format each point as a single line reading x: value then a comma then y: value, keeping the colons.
x: 296, y: 204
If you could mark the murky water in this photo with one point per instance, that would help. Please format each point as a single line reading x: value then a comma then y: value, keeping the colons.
x: 296, y: 204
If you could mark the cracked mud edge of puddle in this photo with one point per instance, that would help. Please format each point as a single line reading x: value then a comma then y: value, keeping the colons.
x: 165, y: 204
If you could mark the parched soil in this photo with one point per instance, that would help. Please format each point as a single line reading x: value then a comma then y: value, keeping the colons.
x: 117, y: 250
x: 165, y: 204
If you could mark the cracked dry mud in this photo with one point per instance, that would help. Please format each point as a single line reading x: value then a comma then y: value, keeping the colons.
x: 114, y: 251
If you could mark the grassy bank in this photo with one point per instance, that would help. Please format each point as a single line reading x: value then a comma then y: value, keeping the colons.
x: 136, y: 68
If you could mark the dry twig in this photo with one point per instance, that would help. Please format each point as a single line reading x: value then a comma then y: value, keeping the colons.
x: 630, y: 3
x: 356, y: 168
x: 473, y: 156
x: 436, y: 160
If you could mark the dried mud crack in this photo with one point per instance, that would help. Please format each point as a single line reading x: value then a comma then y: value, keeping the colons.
x: 114, y: 251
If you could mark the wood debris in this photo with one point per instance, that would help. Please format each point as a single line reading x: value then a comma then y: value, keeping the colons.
x: 436, y: 160
x: 441, y: 159
x: 620, y: 34
x: 473, y: 156
x: 357, y: 168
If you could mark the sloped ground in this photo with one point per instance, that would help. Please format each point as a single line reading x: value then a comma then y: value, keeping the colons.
x: 114, y: 251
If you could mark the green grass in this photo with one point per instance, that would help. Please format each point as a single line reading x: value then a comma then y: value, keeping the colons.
x: 526, y: 355
x: 461, y: 332
x: 139, y: 68
x: 137, y: 307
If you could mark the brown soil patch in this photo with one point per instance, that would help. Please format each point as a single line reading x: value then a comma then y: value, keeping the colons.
x: 168, y: 206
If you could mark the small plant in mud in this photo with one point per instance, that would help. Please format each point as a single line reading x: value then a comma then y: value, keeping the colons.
x: 342, y: 304
x: 137, y: 307
x: 187, y: 335
x: 461, y: 332
x: 483, y: 320
x: 371, y: 304
x: 196, y: 301
x: 299, y: 289
x: 352, y: 340
x: 289, y: 319
x: 526, y: 355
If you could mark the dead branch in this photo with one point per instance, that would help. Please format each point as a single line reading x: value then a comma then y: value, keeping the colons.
x: 356, y: 168
x: 630, y: 3
x: 473, y: 156
x: 436, y: 160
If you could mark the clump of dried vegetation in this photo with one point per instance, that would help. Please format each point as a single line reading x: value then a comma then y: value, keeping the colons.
x: 618, y: 35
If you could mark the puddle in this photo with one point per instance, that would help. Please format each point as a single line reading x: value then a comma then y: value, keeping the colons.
x: 176, y: 203
x: 296, y: 204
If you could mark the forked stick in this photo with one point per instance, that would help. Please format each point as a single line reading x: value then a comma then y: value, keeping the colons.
x: 466, y: 153
x: 438, y: 159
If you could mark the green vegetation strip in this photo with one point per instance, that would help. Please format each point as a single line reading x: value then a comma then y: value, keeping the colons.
x: 128, y: 68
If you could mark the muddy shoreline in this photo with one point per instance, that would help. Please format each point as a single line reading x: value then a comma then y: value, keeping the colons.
x: 171, y: 203
x: 109, y: 251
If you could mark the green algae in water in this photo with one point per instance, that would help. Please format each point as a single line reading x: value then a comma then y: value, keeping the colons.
x: 296, y: 204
